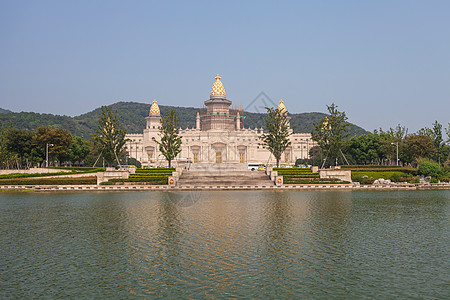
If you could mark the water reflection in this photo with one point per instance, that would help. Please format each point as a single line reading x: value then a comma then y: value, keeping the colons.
x: 225, y: 245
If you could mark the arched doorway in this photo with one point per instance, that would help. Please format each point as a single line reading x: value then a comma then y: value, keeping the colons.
x: 219, y: 152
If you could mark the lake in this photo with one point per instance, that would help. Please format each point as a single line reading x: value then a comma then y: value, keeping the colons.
x: 225, y: 244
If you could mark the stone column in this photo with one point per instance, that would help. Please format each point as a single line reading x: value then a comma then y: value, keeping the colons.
x: 197, y: 121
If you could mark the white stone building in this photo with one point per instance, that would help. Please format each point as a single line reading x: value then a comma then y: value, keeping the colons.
x: 219, y: 137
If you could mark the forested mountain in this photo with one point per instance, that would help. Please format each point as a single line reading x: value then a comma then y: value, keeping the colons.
x: 133, y: 117
x: 4, y: 111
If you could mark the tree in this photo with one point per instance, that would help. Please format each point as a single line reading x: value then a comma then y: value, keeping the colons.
x: 170, y: 143
x: 109, y: 137
x: 331, y: 132
x: 447, y: 130
x: 59, y: 138
x: 365, y: 148
x: 417, y: 146
x: 435, y: 134
x: 398, y: 133
x: 6, y: 156
x: 19, y: 142
x: 276, y: 140
x: 78, y: 150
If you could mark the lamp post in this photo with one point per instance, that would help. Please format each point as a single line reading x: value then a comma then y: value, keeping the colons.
x: 46, y: 154
x: 396, y: 143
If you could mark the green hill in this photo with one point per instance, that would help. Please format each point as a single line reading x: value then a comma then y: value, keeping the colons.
x: 133, y: 117
x: 4, y: 111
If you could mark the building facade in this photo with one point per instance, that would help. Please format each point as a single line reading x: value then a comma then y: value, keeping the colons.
x: 218, y: 137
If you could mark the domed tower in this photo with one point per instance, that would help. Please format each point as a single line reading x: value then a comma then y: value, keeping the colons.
x: 282, y: 108
x: 217, y: 114
x: 154, y: 117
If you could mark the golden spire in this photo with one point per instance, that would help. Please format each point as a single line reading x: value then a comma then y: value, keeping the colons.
x: 281, y: 107
x: 154, y: 109
x: 217, y: 90
x: 325, y: 125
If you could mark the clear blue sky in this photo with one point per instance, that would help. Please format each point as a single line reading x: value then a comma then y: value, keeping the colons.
x: 382, y: 62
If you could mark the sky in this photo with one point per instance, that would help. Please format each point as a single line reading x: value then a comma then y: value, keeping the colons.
x: 382, y: 62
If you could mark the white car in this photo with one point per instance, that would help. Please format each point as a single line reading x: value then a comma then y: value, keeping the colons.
x: 254, y: 166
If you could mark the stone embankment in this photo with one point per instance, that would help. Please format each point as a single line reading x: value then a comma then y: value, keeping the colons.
x: 318, y: 187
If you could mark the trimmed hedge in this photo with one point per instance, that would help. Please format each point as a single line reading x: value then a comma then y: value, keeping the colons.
x: 50, y: 181
x: 370, y: 177
x: 377, y: 175
x: 315, y: 181
x: 82, y: 169
x: 148, y: 180
x: 155, y: 170
x: 312, y: 175
x: 294, y: 173
x: 75, y: 170
x: 28, y: 175
x: 150, y: 175
x: 291, y: 169
x: 369, y: 166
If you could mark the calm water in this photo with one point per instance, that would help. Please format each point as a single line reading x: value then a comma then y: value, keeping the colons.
x: 225, y: 245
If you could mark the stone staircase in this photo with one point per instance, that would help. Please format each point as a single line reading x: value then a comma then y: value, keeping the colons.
x: 222, y: 175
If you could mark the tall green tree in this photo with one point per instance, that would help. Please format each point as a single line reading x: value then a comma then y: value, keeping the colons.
x: 276, y: 140
x: 331, y: 132
x: 19, y: 142
x: 109, y: 137
x: 59, y: 138
x: 447, y: 130
x: 398, y: 133
x: 435, y: 133
x: 416, y: 146
x: 365, y: 148
x: 7, y: 158
x: 170, y: 142
x: 78, y: 150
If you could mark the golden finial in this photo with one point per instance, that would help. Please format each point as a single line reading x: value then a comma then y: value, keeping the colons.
x: 154, y: 109
x: 282, y: 107
x: 217, y: 89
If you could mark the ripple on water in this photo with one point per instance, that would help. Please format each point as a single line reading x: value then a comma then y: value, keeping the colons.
x: 237, y: 244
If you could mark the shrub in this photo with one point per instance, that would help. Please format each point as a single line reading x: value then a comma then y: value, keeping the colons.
x: 314, y: 181
x: 156, y: 170
x: 50, y: 181
x: 377, y: 175
x: 28, y: 175
x: 367, y: 180
x: 415, y: 180
x: 82, y: 169
x: 148, y: 180
x: 445, y: 178
x: 429, y: 168
x: 312, y: 175
x: 141, y: 175
x: 367, y: 167
x: 75, y: 170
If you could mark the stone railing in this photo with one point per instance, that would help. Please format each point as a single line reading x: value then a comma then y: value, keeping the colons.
x: 112, y: 173
x: 344, y: 175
